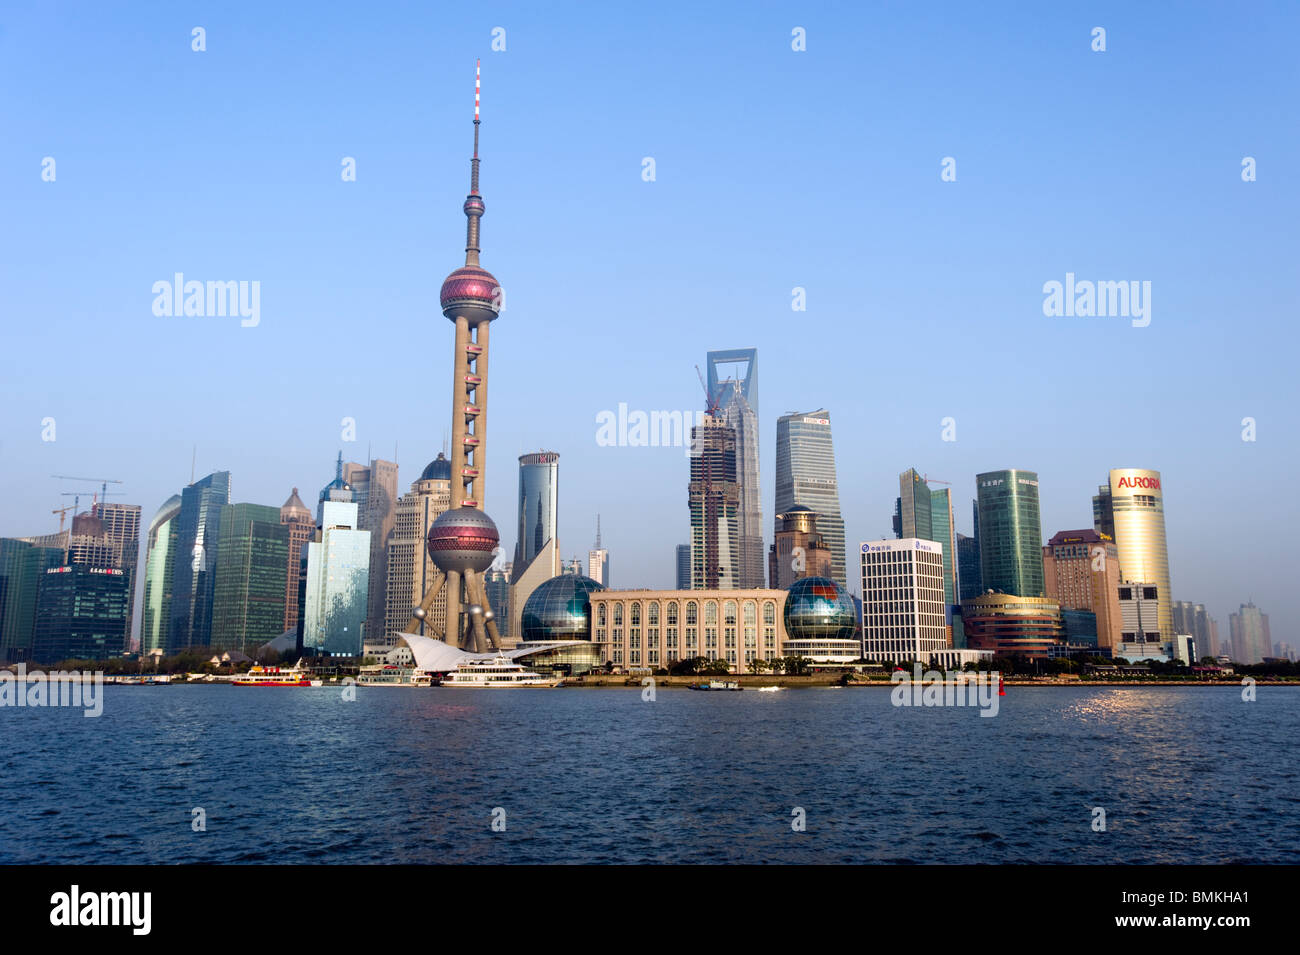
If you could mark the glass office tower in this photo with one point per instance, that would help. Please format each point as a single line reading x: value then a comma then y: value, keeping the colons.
x: 805, y: 474
x: 22, y: 568
x: 1010, y: 532
x: 159, y: 569
x: 539, y: 504
x: 338, y: 582
x: 198, y: 528
x: 249, y: 594
x: 81, y: 613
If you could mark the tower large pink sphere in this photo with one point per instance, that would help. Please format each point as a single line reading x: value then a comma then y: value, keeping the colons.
x: 463, y: 539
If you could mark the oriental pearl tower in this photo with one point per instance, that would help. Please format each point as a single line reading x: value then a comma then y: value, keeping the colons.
x: 462, y: 541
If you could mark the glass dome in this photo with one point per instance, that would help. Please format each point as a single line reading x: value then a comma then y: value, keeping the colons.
x: 816, y: 607
x: 559, y: 609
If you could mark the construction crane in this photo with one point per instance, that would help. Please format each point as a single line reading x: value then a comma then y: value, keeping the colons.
x: 63, y: 514
x: 102, y: 482
x: 930, y: 480
x: 710, y: 402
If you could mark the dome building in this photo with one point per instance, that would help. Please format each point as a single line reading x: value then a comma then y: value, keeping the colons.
x: 821, y: 622
x: 559, y: 611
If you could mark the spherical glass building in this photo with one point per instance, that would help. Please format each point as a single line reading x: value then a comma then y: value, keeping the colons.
x: 821, y: 622
x: 560, y: 610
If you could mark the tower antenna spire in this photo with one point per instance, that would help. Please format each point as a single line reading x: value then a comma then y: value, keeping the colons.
x: 473, y: 202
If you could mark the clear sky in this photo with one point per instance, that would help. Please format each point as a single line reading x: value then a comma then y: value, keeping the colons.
x: 774, y: 169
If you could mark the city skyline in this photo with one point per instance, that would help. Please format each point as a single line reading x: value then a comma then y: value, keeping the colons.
x: 1195, y: 443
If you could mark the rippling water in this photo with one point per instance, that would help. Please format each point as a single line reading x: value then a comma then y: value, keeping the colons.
x: 413, y: 775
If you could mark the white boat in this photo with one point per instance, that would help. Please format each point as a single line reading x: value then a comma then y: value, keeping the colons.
x: 768, y: 689
x: 274, y: 676
x: 389, y: 675
x: 496, y: 674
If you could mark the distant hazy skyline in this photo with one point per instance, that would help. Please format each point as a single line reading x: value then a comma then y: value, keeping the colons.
x: 774, y: 170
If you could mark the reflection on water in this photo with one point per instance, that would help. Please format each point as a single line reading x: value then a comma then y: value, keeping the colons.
x: 413, y: 775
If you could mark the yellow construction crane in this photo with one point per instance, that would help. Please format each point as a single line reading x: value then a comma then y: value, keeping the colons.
x: 63, y: 514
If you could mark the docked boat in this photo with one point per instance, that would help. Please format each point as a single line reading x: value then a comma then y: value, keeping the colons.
x: 496, y: 674
x: 274, y: 676
x: 388, y: 674
x: 717, y: 685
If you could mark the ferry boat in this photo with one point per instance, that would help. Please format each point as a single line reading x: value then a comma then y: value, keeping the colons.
x: 388, y: 674
x: 717, y: 685
x: 496, y: 674
x: 274, y: 676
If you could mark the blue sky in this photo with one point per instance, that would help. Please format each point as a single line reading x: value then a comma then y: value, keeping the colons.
x: 774, y: 169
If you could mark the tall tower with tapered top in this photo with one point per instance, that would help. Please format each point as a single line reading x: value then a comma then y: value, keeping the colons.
x: 462, y: 541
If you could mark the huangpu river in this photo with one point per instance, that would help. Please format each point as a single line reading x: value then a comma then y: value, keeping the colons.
x: 222, y: 774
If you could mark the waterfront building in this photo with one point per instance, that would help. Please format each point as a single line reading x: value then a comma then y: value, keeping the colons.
x: 338, y: 569
x: 250, y: 590
x: 1130, y: 508
x: 374, y: 488
x: 1191, y: 618
x: 805, y: 474
x: 198, y: 531
x: 1250, y: 638
x: 1010, y: 533
x: 300, y: 530
x: 799, y: 549
x: 559, y: 610
x: 736, y: 401
x: 1009, y: 624
x: 496, y: 581
x: 159, y: 567
x: 821, y: 622
x: 81, y: 613
x: 714, y: 500
x: 683, y: 566
x: 903, y: 608
x: 1081, y: 571
x: 22, y: 569
x: 971, y: 584
x: 120, y: 524
x: 1139, y: 604
x: 598, y: 560
x: 648, y: 629
x: 537, y: 549
x: 412, y: 574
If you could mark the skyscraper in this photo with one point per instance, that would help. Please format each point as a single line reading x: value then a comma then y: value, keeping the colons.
x: 537, y: 548
x: 120, y: 523
x: 81, y: 613
x: 302, y: 531
x: 411, y: 571
x: 374, y: 488
x: 1010, y: 532
x: 926, y: 514
x: 338, y: 570
x: 249, y: 590
x: 463, y: 541
x: 714, y: 500
x: 1081, y: 571
x: 598, y: 560
x: 903, y: 609
x: 736, y: 400
x: 1250, y: 640
x: 159, y: 570
x: 683, y: 566
x: 799, y: 550
x: 1130, y: 508
x: 198, y: 529
x: 968, y: 567
x: 805, y: 474
x: 22, y: 569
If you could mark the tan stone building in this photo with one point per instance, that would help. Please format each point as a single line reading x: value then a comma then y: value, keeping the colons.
x: 799, y: 550
x: 639, y: 629
x: 1081, y: 572
x: 410, y: 573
